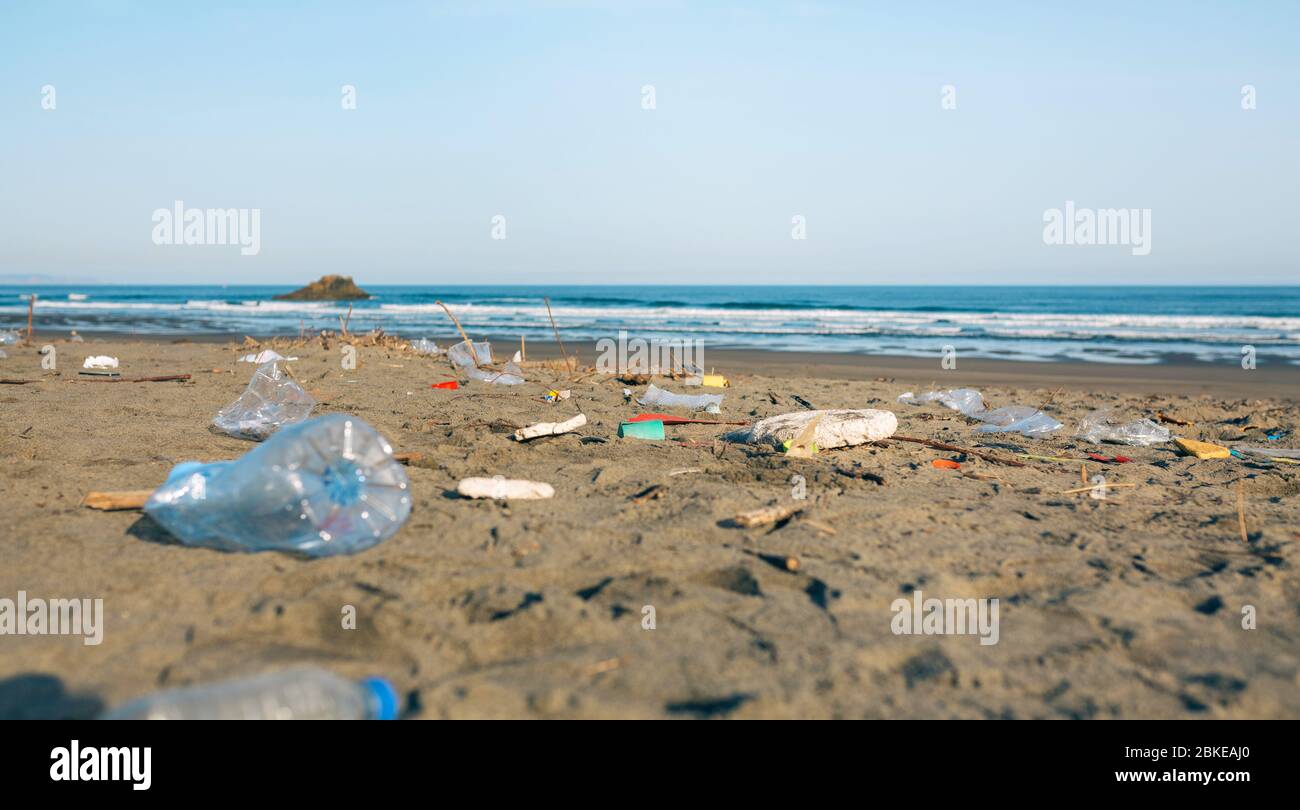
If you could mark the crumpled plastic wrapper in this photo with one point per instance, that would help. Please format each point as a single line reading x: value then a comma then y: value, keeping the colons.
x: 1098, y: 427
x: 837, y: 428
x: 464, y: 354
x: 1031, y: 422
x: 271, y: 401
x: 712, y: 403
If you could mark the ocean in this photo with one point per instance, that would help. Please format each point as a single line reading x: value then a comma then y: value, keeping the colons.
x: 1093, y: 324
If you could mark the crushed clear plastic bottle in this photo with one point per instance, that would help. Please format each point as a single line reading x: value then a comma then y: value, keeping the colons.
x: 326, y: 486
x: 306, y: 693
x: 271, y: 401
x: 654, y: 395
x: 1101, y: 426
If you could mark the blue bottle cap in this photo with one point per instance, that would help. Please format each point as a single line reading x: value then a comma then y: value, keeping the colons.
x: 383, y: 697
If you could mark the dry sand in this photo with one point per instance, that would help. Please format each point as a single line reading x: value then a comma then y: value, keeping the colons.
x: 1118, y: 608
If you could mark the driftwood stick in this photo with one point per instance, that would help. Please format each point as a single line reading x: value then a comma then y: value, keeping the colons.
x: 343, y: 322
x: 459, y: 328
x: 167, y: 378
x: 554, y: 329
x: 765, y: 516
x: 117, y: 501
x: 952, y: 448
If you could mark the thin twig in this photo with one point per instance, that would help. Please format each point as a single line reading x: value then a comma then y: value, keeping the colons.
x: 1241, y: 511
x: 952, y: 448
x: 557, y: 334
x: 343, y: 322
x: 1102, y: 487
x: 167, y: 378
x: 461, y: 330
x: 117, y: 501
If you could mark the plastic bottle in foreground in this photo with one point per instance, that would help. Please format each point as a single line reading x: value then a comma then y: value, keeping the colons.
x: 294, y: 694
x: 326, y: 486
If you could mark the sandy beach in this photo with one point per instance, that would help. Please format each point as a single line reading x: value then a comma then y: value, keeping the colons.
x: 1126, y: 606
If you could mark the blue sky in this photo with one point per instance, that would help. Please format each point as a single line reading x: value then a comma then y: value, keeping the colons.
x: 533, y: 111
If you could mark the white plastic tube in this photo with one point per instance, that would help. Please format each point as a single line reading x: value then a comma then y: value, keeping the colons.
x: 550, y: 428
x: 500, y: 488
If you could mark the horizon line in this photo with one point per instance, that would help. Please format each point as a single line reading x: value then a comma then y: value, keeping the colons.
x: 5, y: 283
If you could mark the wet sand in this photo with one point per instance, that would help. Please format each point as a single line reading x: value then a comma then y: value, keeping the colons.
x: 1127, y: 606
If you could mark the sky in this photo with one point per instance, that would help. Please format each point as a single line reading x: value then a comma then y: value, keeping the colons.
x: 536, y: 112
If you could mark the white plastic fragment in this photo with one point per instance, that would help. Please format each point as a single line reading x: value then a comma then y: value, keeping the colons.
x: 712, y: 403
x: 835, y: 428
x: 265, y: 356
x: 966, y: 401
x: 550, y: 428
x: 500, y: 488
x: 100, y: 361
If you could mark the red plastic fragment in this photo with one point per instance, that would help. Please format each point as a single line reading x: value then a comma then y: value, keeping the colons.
x: 1109, y: 459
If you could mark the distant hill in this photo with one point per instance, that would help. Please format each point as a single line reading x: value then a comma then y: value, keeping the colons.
x: 327, y: 288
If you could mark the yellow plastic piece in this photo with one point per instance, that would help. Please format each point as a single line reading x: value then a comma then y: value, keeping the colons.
x: 1203, y: 449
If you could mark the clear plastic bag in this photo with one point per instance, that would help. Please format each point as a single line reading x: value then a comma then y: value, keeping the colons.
x: 1099, y: 426
x: 968, y: 402
x: 653, y: 395
x: 470, y: 355
x: 271, y: 401
x: 426, y: 346
x: 326, y: 486
x: 464, y: 354
x: 1017, y: 419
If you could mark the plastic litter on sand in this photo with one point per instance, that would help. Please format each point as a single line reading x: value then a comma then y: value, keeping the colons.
x: 271, y: 401
x: 835, y: 428
x: 968, y: 402
x: 326, y: 486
